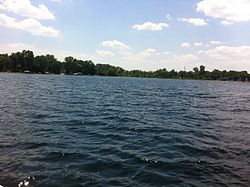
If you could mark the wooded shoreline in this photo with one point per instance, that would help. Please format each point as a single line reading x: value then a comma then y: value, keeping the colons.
x: 26, y: 62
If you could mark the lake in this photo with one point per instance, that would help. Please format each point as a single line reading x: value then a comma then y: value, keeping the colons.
x: 114, y: 131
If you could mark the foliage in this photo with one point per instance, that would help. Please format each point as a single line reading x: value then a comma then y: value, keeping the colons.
x: 25, y: 61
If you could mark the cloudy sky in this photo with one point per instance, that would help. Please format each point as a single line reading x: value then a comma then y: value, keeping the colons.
x: 133, y: 34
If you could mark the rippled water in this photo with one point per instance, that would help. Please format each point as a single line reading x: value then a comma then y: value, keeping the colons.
x: 105, y: 131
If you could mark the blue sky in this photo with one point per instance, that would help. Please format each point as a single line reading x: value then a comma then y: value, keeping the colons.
x: 140, y: 34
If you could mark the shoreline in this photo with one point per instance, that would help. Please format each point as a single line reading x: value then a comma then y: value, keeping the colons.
x: 121, y: 76
x: 27, y: 62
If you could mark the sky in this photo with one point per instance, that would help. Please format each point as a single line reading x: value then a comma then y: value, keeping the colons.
x: 132, y: 34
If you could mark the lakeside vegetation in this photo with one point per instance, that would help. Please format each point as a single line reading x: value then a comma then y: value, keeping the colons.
x: 26, y: 62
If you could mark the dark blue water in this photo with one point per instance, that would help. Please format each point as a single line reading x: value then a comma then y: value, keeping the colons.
x: 105, y: 131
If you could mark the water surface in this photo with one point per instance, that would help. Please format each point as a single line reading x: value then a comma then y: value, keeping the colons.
x: 113, y: 131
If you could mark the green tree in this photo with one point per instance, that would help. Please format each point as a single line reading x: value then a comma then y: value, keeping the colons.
x: 4, y: 62
x: 16, y: 62
x: 202, y: 72
x: 69, y: 65
x: 27, y: 60
x: 196, y: 73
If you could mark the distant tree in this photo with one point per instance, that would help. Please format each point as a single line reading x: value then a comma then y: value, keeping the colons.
x: 202, y: 69
x: 4, y: 62
x: 202, y: 72
x: 196, y: 73
x: 48, y: 63
x: 161, y: 73
x: 195, y: 69
x: 108, y: 70
x: 215, y: 74
x: 54, y: 65
x: 69, y: 65
x: 183, y: 74
x: 16, y: 62
x: 27, y: 60
x: 173, y: 74
x: 87, y: 67
x: 41, y: 64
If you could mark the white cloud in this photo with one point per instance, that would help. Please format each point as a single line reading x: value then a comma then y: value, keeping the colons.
x: 198, y: 44
x: 14, y: 47
x: 148, y: 53
x: 25, y: 8
x: 36, y: 48
x: 226, y: 57
x: 185, y: 58
x: 30, y: 25
x: 200, y: 52
x: 166, y: 52
x: 116, y: 45
x: 185, y: 45
x: 230, y: 53
x: 194, y: 21
x: 151, y: 26
x: 216, y: 42
x: 102, y: 53
x: 226, y: 23
x: 229, y: 10
x: 168, y: 17
x: 178, y: 62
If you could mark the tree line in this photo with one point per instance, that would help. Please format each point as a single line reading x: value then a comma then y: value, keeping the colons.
x: 26, y: 62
